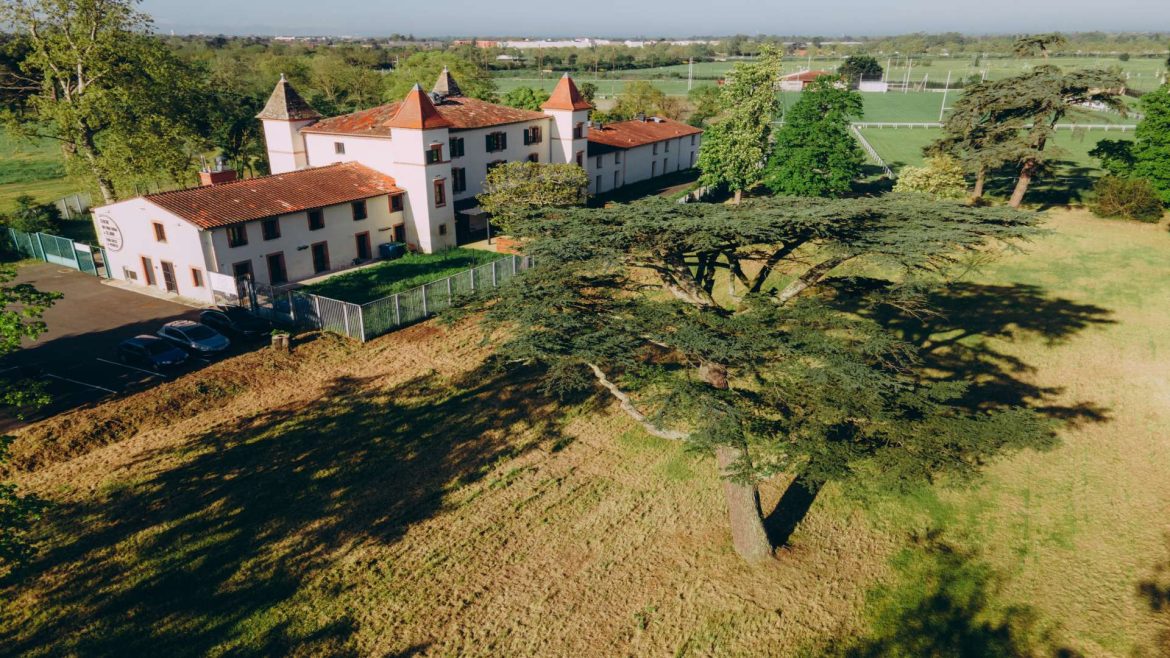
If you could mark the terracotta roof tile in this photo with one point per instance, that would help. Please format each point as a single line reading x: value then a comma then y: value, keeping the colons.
x: 417, y: 112
x: 286, y: 104
x: 566, y: 97
x: 463, y: 113
x: 804, y: 76
x: 628, y: 134
x: 256, y: 198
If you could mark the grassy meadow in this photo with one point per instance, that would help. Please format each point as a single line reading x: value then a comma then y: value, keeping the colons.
x: 403, y: 498
x: 410, y: 271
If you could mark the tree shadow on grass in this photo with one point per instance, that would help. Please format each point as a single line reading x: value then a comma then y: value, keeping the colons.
x: 951, y: 329
x: 214, y: 549
x: 1154, y: 591
x: 1065, y: 185
x: 942, y: 603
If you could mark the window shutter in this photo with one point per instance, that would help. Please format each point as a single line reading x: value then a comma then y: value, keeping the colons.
x: 503, y: 141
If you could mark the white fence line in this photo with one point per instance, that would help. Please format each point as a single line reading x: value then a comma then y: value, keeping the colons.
x: 1122, y: 127
x: 871, y: 151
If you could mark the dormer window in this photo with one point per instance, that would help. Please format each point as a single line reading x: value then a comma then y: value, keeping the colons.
x: 435, y: 154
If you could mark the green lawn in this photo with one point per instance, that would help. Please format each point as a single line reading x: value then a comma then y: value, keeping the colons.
x: 31, y: 167
x: 410, y: 271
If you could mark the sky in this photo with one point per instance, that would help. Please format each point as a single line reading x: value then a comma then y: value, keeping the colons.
x: 650, y: 18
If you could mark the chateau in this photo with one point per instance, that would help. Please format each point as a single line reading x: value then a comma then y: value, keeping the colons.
x: 341, y: 186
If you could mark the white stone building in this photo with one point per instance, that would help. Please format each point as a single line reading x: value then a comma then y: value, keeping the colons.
x: 410, y: 169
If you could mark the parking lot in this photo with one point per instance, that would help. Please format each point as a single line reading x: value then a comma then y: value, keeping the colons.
x: 77, y: 358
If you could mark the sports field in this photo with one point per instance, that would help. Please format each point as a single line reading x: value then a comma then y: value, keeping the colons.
x: 31, y: 167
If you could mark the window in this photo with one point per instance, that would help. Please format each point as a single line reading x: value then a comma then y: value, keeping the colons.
x: 160, y: 232
x: 664, y: 166
x: 616, y: 178
x: 692, y: 140
x: 435, y: 154
x: 493, y: 164
x: 597, y: 185
x: 359, y: 210
x: 242, y: 271
x: 320, y: 257
x: 654, y: 168
x: 599, y: 162
x: 270, y: 228
x: 579, y: 130
x: 196, y: 277
x: 339, y: 148
x: 580, y: 158
x: 237, y: 235
x: 316, y: 219
x: 440, y: 193
x: 654, y: 149
x: 276, y: 271
x: 617, y: 157
x: 497, y: 141
x: 458, y: 179
x: 456, y: 147
x: 533, y: 135
x: 666, y: 146
x: 396, y: 203
x: 442, y: 229
x: 534, y: 157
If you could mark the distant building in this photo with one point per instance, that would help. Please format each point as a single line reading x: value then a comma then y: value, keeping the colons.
x: 406, y: 171
x: 798, y: 81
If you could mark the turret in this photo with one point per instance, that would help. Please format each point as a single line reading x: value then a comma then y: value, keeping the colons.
x: 422, y: 166
x: 570, y: 128
x: 283, y: 117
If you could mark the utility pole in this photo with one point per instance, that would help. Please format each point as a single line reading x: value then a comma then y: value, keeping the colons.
x: 690, y: 72
x: 909, y: 66
x: 886, y: 73
x: 946, y: 90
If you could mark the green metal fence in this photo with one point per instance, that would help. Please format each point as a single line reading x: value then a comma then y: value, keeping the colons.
x: 60, y: 251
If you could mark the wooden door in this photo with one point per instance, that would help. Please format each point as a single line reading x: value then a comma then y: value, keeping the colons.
x: 169, y: 280
x: 363, y: 246
x: 148, y: 271
x: 320, y: 257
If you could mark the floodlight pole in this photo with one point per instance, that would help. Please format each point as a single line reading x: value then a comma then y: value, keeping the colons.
x: 690, y: 72
x: 946, y: 90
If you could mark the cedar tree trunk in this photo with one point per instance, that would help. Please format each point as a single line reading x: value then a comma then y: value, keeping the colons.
x: 980, y: 181
x: 1022, y: 183
x: 746, y: 519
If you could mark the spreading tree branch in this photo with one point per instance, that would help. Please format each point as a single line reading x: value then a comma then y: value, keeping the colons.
x: 627, y: 406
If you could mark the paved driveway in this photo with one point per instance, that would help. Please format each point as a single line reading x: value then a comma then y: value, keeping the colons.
x: 76, y: 358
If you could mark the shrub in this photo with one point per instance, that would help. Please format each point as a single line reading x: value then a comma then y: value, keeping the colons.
x: 32, y: 217
x: 941, y: 178
x: 1131, y: 198
x: 1124, y: 57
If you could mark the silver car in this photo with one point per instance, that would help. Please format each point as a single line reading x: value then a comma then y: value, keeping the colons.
x: 194, y: 337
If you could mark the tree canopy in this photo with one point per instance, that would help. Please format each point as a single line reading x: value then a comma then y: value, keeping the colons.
x: 1030, y: 44
x: 941, y: 177
x: 734, y: 149
x: 1151, y: 149
x: 525, y: 98
x: 641, y: 98
x: 514, y: 189
x: 424, y: 68
x: 857, y: 68
x: 766, y: 374
x: 122, y: 105
x: 815, y: 154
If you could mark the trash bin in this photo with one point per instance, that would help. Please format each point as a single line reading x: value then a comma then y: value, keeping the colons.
x: 391, y: 250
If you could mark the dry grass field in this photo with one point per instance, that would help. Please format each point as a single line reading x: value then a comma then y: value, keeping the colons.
x: 403, y: 498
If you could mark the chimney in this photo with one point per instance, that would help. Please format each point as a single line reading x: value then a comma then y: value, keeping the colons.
x: 221, y: 174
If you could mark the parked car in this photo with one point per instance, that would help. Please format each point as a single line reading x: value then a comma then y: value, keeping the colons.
x: 194, y: 337
x: 236, y: 321
x: 150, y: 352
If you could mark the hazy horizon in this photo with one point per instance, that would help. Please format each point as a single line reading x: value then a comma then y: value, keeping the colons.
x: 648, y: 19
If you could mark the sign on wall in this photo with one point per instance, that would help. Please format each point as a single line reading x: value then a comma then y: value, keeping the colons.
x: 111, y: 235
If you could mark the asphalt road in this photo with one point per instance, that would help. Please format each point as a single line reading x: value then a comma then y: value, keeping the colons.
x: 77, y: 359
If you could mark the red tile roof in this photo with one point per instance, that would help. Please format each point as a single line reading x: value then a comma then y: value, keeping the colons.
x: 256, y: 198
x: 566, y: 97
x: 628, y: 134
x: 417, y: 112
x: 463, y: 113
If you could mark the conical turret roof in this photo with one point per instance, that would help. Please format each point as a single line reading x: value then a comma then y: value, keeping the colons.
x: 566, y: 97
x: 286, y: 104
x: 446, y: 85
x: 417, y: 112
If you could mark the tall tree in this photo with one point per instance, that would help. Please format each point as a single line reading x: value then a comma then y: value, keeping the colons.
x: 424, y: 67
x: 1030, y: 44
x: 857, y: 68
x: 123, y: 106
x: 971, y: 136
x: 734, y: 150
x: 1151, y: 150
x: 705, y: 104
x: 815, y: 154
x: 770, y: 378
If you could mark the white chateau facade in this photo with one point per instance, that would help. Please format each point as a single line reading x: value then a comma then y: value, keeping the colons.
x: 341, y: 186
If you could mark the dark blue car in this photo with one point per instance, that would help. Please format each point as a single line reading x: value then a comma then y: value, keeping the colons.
x: 150, y: 352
